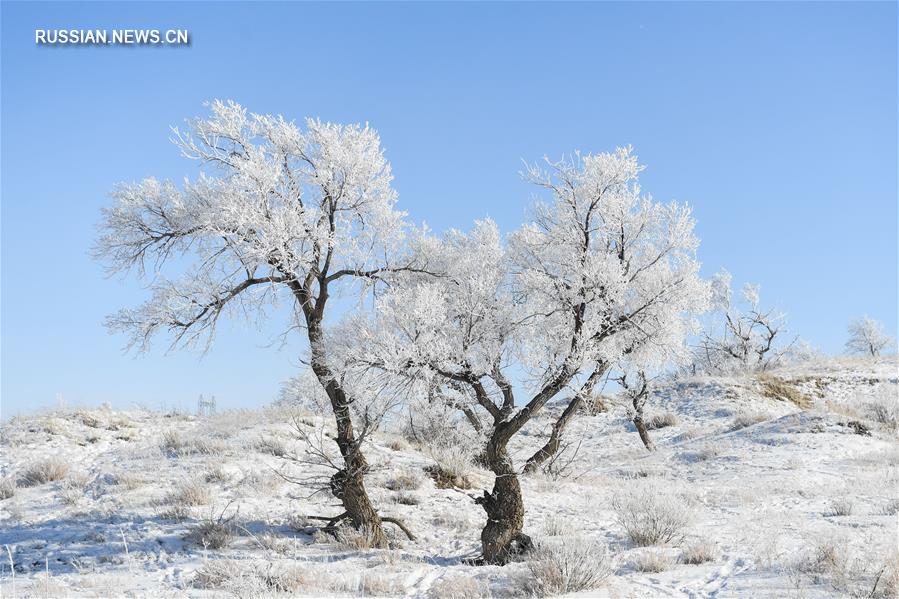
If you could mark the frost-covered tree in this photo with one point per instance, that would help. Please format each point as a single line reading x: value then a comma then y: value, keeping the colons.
x: 280, y: 215
x: 746, y: 338
x: 601, y: 271
x: 866, y: 336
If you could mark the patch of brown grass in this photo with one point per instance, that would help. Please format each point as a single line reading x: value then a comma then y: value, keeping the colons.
x: 782, y: 390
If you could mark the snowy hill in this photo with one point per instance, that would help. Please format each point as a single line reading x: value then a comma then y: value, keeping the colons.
x: 778, y: 485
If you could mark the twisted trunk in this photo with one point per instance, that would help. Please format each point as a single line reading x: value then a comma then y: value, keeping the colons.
x: 502, y: 537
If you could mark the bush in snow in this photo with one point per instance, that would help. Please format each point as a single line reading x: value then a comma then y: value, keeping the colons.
x: 651, y: 514
x: 577, y: 564
x: 698, y: 551
x: 652, y: 561
x: 44, y: 471
x: 7, y: 487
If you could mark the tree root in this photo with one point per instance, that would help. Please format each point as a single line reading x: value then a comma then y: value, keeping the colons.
x: 333, y: 521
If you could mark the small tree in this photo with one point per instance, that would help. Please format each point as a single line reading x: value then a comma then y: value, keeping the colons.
x: 602, y: 270
x: 281, y: 214
x: 750, y: 338
x: 866, y: 336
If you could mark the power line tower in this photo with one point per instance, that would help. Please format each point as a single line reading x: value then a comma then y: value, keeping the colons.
x: 206, y: 407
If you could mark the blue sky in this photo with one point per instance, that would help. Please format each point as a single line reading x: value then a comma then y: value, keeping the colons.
x: 777, y: 122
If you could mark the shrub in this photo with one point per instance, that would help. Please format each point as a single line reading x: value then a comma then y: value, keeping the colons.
x: 7, y: 487
x: 661, y: 420
x: 452, y: 468
x: 212, y: 534
x: 882, y: 408
x: 891, y: 508
x: 353, y: 539
x: 406, y: 499
x: 459, y: 587
x: 698, y: 552
x: 651, y: 515
x: 127, y: 480
x: 175, y: 444
x: 842, y: 506
x: 44, y: 471
x: 408, y: 480
x: 190, y: 493
x: 578, y: 564
x: 555, y: 526
x: 746, y: 418
x: 652, y: 561
x: 272, y: 446
x: 216, y: 474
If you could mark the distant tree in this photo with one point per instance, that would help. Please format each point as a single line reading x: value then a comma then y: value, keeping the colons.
x: 601, y: 271
x: 866, y: 336
x: 282, y: 213
x: 749, y: 337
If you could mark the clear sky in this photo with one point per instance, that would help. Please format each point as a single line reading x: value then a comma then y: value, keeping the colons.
x: 777, y: 122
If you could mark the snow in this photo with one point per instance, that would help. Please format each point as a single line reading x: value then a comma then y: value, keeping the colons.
x: 764, y: 495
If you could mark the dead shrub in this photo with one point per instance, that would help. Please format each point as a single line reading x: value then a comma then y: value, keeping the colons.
x: 577, y: 564
x: 747, y: 418
x: 406, y: 499
x: 127, y: 480
x: 407, y: 480
x: 651, y: 514
x: 841, y: 506
x: 459, y: 587
x: 354, y: 539
x: 44, y: 471
x: 652, y: 561
x: 698, y: 552
x: 190, y: 493
x: 661, y: 420
x: 272, y: 446
x: 212, y: 534
x: 7, y: 487
x: 453, y: 467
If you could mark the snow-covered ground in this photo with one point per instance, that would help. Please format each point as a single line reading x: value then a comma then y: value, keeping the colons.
x: 789, y: 482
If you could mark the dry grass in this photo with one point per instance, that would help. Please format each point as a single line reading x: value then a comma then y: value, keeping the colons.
x: 459, y: 587
x: 659, y: 420
x: 652, y: 561
x: 698, y: 552
x: 8, y: 487
x: 44, y: 471
x: 272, y: 446
x: 352, y: 539
x: 841, y: 506
x: 577, y: 564
x: 212, y: 534
x: 453, y: 467
x: 190, y: 493
x: 777, y: 388
x: 127, y: 480
x: 747, y: 418
x: 407, y: 480
x: 177, y: 444
x: 243, y: 579
x: 555, y: 526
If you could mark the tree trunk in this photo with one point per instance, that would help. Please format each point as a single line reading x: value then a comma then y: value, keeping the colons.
x: 555, y: 438
x: 502, y: 537
x: 644, y: 433
x: 639, y: 401
x: 348, y: 484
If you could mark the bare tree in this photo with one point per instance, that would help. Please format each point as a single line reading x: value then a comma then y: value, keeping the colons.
x: 281, y: 214
x: 866, y: 336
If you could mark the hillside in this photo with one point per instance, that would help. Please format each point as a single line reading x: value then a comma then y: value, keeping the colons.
x: 781, y: 485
